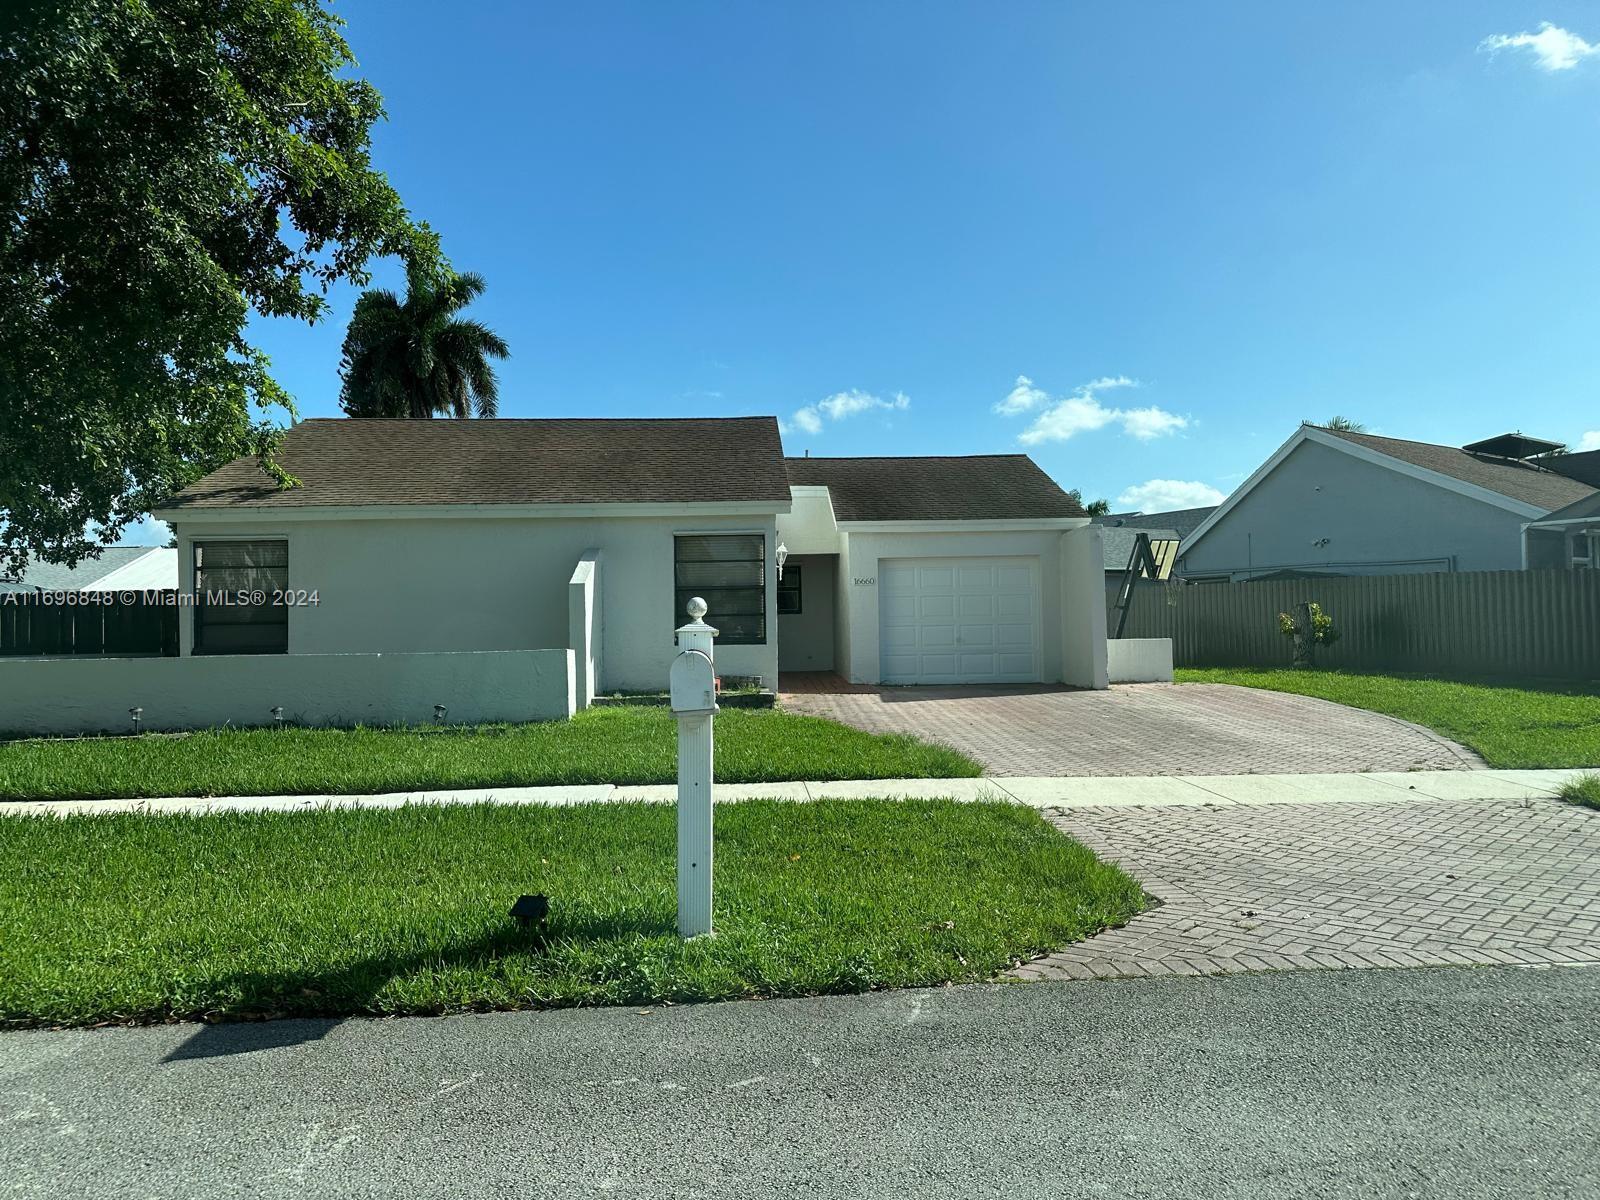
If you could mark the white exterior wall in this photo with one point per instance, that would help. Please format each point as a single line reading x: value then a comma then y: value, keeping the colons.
x: 1322, y: 508
x: 1083, y: 608
x: 1139, y: 660
x: 809, y: 526
x: 488, y: 583
x: 583, y: 626
x: 864, y: 550
x: 93, y: 695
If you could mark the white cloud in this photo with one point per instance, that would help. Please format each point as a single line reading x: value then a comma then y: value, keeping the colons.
x: 1590, y: 440
x: 1022, y: 398
x: 1554, y: 48
x: 840, y: 405
x: 1083, y: 412
x: 1161, y: 495
x: 1147, y: 423
x: 146, y: 531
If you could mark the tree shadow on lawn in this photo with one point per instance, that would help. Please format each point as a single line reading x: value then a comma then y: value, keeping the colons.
x: 276, y: 1010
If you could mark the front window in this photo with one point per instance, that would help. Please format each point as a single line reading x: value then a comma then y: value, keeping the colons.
x: 729, y: 571
x: 239, y: 606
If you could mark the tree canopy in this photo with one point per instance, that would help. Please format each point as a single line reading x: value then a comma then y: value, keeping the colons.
x: 416, y: 357
x: 166, y: 167
x: 1344, y: 424
x: 1095, y: 508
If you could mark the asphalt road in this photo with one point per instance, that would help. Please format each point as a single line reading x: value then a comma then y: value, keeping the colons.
x: 1449, y: 1083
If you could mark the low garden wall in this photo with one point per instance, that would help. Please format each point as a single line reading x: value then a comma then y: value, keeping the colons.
x: 93, y: 695
x: 1139, y: 660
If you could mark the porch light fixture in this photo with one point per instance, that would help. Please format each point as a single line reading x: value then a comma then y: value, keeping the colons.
x: 783, y: 557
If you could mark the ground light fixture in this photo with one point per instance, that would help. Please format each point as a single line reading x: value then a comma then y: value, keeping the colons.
x: 531, y: 911
x: 277, y: 714
x: 439, y: 711
x: 136, y: 713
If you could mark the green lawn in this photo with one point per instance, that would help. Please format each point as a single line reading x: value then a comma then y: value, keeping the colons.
x: 602, y: 745
x: 1584, y: 790
x: 335, y: 912
x: 1543, y: 723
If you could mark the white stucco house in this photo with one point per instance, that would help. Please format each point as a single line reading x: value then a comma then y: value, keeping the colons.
x: 415, y: 556
x: 1336, y: 502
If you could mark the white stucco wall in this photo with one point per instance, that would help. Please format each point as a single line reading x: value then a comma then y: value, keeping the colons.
x: 490, y: 583
x: 1139, y: 660
x: 93, y: 695
x: 809, y: 526
x: 1083, y: 609
x: 859, y: 571
x: 583, y: 626
x: 1375, y: 520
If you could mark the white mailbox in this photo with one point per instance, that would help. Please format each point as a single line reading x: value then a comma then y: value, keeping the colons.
x: 693, y: 683
x: 692, y: 686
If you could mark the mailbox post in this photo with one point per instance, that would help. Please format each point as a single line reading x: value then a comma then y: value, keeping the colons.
x: 694, y: 703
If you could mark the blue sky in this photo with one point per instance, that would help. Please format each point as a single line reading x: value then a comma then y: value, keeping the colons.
x: 872, y: 219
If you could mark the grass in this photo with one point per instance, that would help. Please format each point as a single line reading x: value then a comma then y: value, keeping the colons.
x: 1521, y: 723
x: 134, y: 918
x: 601, y: 745
x: 1584, y: 790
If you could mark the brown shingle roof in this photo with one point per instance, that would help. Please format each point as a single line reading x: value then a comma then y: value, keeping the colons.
x: 375, y: 461
x: 1518, y: 480
x: 977, y: 488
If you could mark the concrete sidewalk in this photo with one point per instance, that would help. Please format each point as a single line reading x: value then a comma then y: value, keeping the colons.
x: 1221, y: 791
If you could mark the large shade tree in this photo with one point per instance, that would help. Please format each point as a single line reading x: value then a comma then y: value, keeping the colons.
x: 418, y: 357
x: 166, y: 167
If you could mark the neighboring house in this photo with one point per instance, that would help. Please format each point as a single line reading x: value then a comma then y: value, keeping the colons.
x: 1584, y: 466
x: 118, y: 568
x: 1339, y: 503
x: 1166, y: 530
x: 456, y: 536
x: 1568, y: 537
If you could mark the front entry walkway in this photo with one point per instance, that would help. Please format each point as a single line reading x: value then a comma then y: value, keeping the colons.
x: 1135, y: 729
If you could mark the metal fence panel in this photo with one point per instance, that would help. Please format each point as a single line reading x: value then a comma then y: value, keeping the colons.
x: 33, y: 624
x: 1464, y: 624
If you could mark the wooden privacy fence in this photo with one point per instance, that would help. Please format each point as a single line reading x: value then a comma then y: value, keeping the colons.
x: 1469, y: 624
x: 42, y: 623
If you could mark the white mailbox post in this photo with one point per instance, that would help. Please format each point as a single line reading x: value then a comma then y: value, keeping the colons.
x: 694, y: 703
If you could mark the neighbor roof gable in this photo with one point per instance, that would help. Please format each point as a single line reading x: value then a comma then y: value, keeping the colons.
x: 1442, y: 470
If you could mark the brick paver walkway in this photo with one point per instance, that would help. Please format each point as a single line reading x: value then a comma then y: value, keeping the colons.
x: 1142, y: 729
x: 1415, y: 883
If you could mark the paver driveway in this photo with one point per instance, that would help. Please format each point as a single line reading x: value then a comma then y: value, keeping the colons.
x: 1139, y: 729
x: 1412, y: 883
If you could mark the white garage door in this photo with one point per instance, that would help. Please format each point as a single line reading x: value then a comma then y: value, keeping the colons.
x: 958, y: 620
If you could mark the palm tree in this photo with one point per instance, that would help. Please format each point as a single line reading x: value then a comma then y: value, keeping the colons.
x: 417, y: 357
x: 1344, y: 425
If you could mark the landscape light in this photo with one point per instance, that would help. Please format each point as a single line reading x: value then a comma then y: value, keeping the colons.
x: 438, y: 714
x: 135, y: 713
x: 531, y: 910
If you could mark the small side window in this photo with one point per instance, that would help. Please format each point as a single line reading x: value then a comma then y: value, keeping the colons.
x: 239, y: 605
x: 789, y: 588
